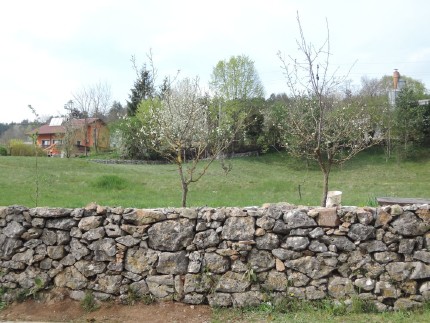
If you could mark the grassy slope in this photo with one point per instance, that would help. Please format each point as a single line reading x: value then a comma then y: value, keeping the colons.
x: 252, y: 181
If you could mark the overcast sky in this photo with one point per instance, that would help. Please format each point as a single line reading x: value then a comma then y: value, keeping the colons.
x: 50, y: 49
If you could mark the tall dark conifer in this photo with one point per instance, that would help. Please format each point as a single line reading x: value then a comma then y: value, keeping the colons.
x: 143, y: 89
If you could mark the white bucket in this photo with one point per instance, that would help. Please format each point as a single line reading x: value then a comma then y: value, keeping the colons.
x: 333, y: 198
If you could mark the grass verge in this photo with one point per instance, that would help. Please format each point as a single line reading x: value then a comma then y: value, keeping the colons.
x: 317, y: 311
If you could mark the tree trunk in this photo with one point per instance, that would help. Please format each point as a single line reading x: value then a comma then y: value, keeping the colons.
x: 388, y: 143
x: 325, y: 169
x: 325, y: 188
x: 184, y: 194
x: 184, y: 185
x: 95, y: 139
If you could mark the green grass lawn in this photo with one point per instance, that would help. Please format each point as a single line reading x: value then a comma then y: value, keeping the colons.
x: 252, y: 181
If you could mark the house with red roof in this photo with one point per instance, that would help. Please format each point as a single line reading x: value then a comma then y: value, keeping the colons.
x: 72, y: 137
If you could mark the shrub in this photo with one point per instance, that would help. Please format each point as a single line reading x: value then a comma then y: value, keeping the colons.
x: 19, y: 148
x: 3, y: 151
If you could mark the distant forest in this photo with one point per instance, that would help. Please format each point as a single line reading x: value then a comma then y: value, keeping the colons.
x: 15, y: 130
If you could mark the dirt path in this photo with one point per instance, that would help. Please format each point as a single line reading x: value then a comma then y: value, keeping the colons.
x: 71, y: 311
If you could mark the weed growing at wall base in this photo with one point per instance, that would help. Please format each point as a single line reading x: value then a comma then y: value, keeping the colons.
x: 3, y: 302
x: 89, y: 303
x: 371, y: 201
x: 147, y: 299
x: 132, y: 296
x: 359, y: 305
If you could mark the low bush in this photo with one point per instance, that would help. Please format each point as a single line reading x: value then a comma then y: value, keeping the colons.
x: 110, y: 182
x: 19, y: 148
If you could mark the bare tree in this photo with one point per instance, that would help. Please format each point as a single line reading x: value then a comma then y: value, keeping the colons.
x: 101, y: 95
x: 92, y: 102
x: 372, y: 87
x: 319, y: 125
x: 69, y: 138
x: 70, y: 132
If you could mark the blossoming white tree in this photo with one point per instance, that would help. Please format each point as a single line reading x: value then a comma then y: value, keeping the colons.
x: 181, y: 130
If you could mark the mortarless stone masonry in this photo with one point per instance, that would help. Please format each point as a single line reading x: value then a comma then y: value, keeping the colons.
x: 220, y: 256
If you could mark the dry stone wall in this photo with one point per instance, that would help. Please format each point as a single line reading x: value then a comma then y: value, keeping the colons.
x: 221, y: 256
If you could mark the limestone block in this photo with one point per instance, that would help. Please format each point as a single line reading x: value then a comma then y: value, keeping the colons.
x: 171, y: 235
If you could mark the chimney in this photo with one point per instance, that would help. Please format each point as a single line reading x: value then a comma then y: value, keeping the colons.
x: 396, y: 77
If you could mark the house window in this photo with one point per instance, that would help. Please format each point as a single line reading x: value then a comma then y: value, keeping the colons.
x: 56, y: 141
x: 78, y: 143
x: 46, y: 142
